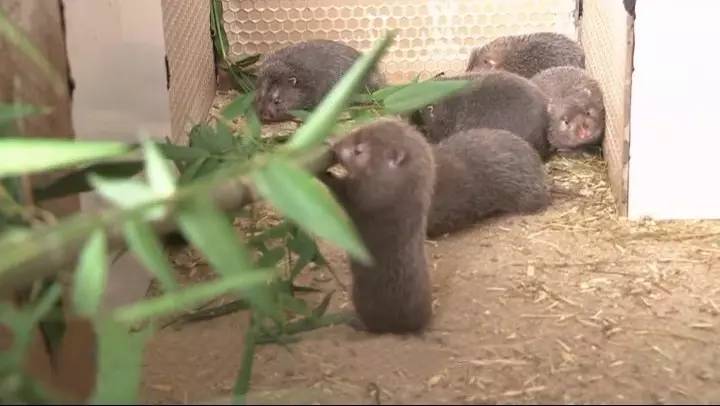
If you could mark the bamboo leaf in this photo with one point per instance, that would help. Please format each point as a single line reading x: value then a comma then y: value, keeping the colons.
x: 22, y: 322
x: 119, y: 364
x: 383, y: 93
x: 127, y: 193
x: 182, y: 153
x: 239, y: 106
x: 77, y: 182
x: 208, y: 167
x: 220, y: 36
x: 242, y: 382
x: 143, y: 242
x: 49, y: 154
x: 320, y: 310
x: 271, y: 258
x: 91, y: 275
x: 46, y: 303
x: 321, y: 121
x: 245, y: 61
x: 191, y: 171
x: 418, y: 95
x: 306, y: 249
x: 213, y: 234
x: 204, y: 137
x: 304, y: 200
x: 192, y: 296
x: 160, y: 177
x: 253, y: 124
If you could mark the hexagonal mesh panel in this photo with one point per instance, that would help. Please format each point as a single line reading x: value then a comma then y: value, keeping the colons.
x: 433, y: 35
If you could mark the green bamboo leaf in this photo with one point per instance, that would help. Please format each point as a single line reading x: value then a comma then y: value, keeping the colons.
x: 91, y: 276
x: 169, y: 303
x: 253, y: 124
x: 359, y: 118
x: 208, y: 167
x: 306, y: 249
x: 204, y: 137
x: 294, y: 304
x: 46, y: 303
x: 383, y: 93
x: 244, y: 61
x: 242, y: 81
x: 322, y: 120
x: 198, y: 134
x: 225, y: 140
x: 421, y: 94
x: 222, y: 245
x: 22, y: 323
x: 271, y: 257
x: 77, y: 182
x: 242, y: 382
x: 190, y: 172
x: 303, y: 245
x: 120, y: 357
x: 127, y: 193
x: 160, y: 177
x: 361, y: 98
x: 213, y: 234
x: 143, y: 242
x: 182, y: 153
x: 15, y: 37
x: 239, y: 106
x: 49, y: 154
x: 220, y: 36
x: 11, y: 112
x: 320, y: 310
x: 304, y: 200
x: 363, y: 115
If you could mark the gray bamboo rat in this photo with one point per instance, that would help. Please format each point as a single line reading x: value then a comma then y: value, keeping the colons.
x: 575, y: 106
x: 494, y: 99
x: 299, y: 76
x: 527, y: 54
x: 387, y: 193
x: 481, y: 172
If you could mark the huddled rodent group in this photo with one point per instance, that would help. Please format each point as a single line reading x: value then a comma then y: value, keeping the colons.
x: 468, y: 156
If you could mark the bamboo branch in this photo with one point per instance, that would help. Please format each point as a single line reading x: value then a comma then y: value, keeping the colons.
x: 229, y: 196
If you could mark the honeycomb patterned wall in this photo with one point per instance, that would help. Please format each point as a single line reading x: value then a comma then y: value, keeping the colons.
x: 434, y: 35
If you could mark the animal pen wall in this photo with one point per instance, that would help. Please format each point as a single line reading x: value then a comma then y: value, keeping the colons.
x: 148, y: 65
x: 437, y: 36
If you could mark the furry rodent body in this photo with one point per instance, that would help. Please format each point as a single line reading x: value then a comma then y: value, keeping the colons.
x: 387, y: 194
x: 575, y: 106
x: 494, y: 99
x: 527, y: 54
x: 299, y: 76
x: 481, y: 172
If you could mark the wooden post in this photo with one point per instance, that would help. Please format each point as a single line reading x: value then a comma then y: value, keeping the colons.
x: 21, y: 81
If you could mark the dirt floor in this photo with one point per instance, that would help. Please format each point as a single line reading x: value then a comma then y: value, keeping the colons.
x: 572, y: 305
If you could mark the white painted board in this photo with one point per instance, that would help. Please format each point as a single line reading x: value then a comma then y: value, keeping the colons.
x: 675, y: 115
x: 116, y: 52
